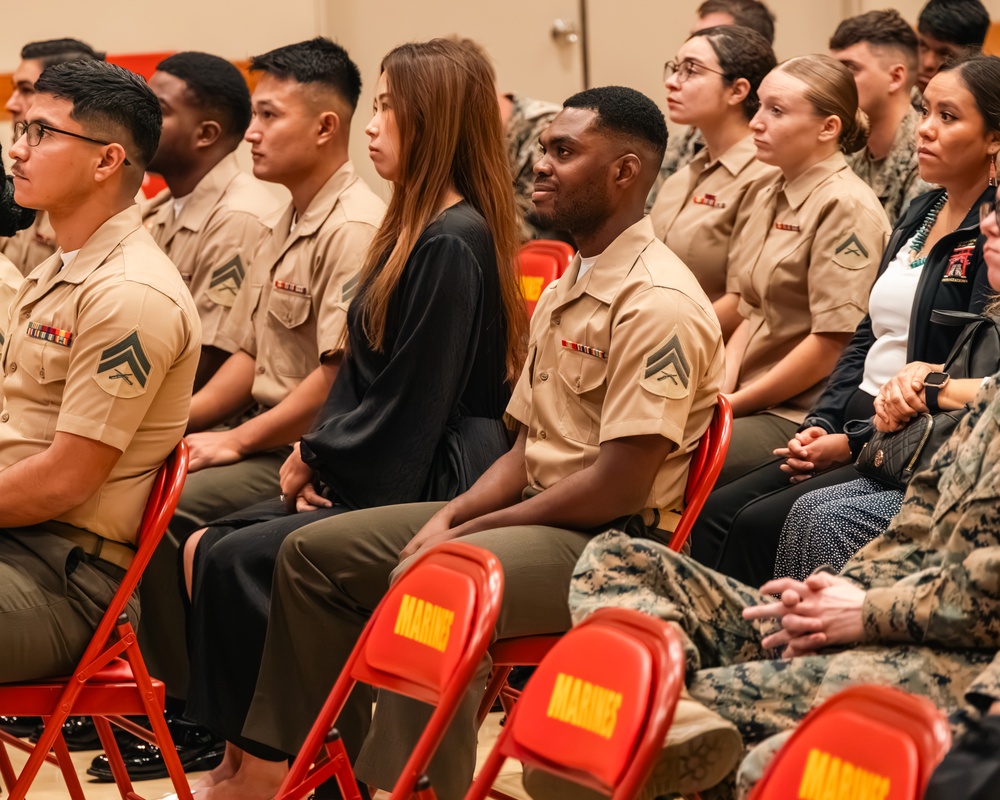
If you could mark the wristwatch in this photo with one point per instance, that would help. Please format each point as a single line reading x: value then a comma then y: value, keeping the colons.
x: 933, y: 384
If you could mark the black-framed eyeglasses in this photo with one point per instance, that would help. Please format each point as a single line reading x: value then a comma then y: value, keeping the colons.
x: 685, y: 69
x: 34, y: 131
x: 987, y: 208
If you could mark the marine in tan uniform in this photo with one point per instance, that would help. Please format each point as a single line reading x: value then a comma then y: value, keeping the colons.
x: 211, y: 217
x: 700, y: 212
x: 621, y: 377
x: 287, y: 326
x: 98, y: 362
x: 701, y: 209
x: 806, y: 259
x: 31, y: 246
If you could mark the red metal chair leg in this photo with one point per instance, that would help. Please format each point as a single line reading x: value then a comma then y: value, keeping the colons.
x: 498, y: 679
x: 6, y: 767
x: 115, y: 762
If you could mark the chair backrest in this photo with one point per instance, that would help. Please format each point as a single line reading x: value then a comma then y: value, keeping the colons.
x: 538, y: 270
x: 706, y: 464
x: 599, y: 705
x: 866, y: 741
x: 163, y: 498
x: 562, y: 251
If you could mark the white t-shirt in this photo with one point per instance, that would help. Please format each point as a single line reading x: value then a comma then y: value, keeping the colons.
x: 890, y: 307
x: 586, y: 264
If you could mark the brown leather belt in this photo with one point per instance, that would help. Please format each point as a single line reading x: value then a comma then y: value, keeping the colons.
x: 116, y: 553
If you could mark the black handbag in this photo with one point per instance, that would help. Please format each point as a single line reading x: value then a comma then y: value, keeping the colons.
x: 894, y: 458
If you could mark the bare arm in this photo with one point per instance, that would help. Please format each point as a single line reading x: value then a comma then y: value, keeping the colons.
x: 736, y: 346
x: 809, y: 362
x: 727, y: 310
x: 225, y: 395
x: 277, y: 426
x: 616, y: 484
x: 60, y: 478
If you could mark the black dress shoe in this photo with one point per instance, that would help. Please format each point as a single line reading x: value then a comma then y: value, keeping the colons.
x: 80, y: 734
x: 197, y: 747
x: 20, y: 726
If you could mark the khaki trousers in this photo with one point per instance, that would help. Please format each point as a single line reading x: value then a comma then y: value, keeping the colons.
x: 52, y: 598
x: 209, y: 494
x: 329, y: 577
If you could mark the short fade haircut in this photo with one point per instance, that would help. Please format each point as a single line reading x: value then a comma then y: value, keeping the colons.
x: 626, y: 113
x: 879, y: 29
x: 214, y: 86
x: 59, y: 51
x: 109, y: 98
x: 318, y: 60
x: 961, y: 22
x: 748, y: 13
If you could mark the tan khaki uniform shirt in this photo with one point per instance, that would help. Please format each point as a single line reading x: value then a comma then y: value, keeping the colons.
x: 10, y: 281
x: 702, y: 208
x: 105, y: 348
x: 805, y: 263
x: 30, y: 247
x: 292, y: 313
x: 631, y: 348
x: 213, y: 239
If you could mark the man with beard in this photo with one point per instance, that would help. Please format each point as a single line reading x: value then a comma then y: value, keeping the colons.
x: 209, y: 218
x: 624, y: 366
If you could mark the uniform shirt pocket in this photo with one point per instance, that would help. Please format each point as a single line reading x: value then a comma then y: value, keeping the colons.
x: 43, y: 367
x: 584, y: 379
x: 293, y: 352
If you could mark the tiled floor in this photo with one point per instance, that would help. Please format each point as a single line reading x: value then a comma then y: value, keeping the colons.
x: 49, y: 785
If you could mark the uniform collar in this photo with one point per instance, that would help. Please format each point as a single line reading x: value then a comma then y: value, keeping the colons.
x: 798, y: 190
x: 94, y: 252
x: 602, y: 282
x: 206, y: 195
x: 735, y: 159
x: 319, y: 208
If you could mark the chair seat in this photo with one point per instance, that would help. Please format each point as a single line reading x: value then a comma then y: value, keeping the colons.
x: 111, y: 692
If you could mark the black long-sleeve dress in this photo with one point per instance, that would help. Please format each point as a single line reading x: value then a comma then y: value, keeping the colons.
x: 419, y: 420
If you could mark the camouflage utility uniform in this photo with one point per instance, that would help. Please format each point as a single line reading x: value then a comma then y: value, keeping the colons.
x: 528, y: 118
x: 894, y: 178
x: 931, y: 610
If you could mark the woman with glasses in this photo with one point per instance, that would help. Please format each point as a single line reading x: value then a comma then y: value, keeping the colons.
x: 934, y: 261
x: 700, y: 209
x: 805, y: 260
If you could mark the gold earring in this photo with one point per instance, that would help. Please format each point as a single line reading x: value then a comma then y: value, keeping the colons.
x: 993, y: 169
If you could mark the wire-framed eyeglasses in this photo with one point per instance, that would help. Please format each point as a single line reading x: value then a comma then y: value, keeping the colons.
x: 34, y: 131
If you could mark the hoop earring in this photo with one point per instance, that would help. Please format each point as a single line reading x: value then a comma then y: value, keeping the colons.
x: 993, y: 171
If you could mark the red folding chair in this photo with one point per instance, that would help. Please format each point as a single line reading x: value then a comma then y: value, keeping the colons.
x: 597, y: 710
x: 424, y: 640
x: 111, y: 680
x: 706, y: 464
x: 866, y: 741
x: 538, y: 270
x: 562, y: 251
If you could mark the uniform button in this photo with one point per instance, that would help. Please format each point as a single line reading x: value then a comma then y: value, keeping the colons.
x: 260, y: 370
x: 544, y: 376
x: 25, y: 314
x: 4, y: 416
x: 13, y: 368
x: 541, y: 434
x: 577, y: 383
x: 41, y: 373
x: 556, y: 320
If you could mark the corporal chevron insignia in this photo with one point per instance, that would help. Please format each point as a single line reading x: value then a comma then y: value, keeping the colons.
x: 667, y: 371
x: 226, y: 281
x: 851, y: 253
x: 349, y: 289
x: 124, y: 368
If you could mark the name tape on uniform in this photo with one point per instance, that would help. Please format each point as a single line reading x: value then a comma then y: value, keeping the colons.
x: 424, y: 622
x: 826, y: 776
x: 584, y: 705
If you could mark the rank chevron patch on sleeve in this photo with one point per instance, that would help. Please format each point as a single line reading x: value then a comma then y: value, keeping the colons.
x: 667, y: 371
x: 124, y: 368
x: 232, y: 271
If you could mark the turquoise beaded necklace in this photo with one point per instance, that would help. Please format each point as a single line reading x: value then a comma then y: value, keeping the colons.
x: 920, y: 237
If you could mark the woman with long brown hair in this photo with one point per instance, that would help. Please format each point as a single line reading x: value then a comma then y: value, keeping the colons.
x: 436, y: 334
